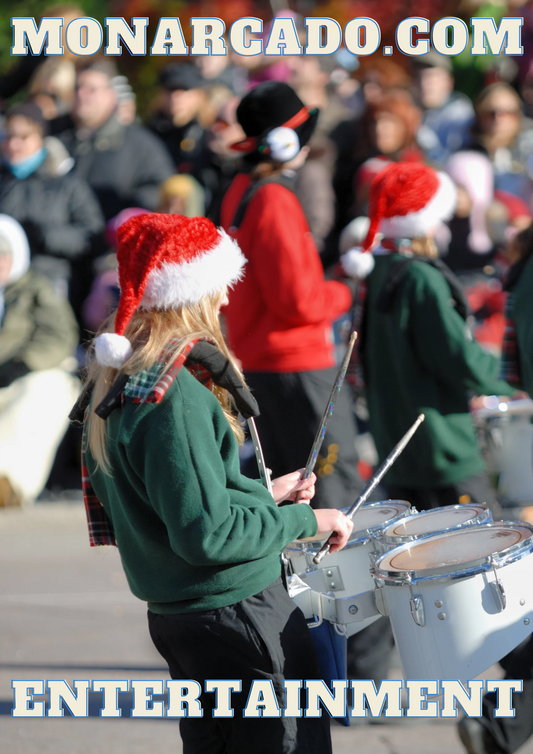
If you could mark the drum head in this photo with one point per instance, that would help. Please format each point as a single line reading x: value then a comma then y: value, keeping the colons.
x: 439, y: 519
x: 374, y: 516
x: 370, y: 519
x: 445, y: 552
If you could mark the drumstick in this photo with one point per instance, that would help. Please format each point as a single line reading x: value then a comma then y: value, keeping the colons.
x: 265, y: 476
x: 373, y: 483
x: 321, y: 433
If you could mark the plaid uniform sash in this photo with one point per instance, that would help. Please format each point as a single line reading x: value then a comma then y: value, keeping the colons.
x: 148, y: 386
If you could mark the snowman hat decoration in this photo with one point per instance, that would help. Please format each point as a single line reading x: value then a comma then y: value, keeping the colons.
x: 165, y: 262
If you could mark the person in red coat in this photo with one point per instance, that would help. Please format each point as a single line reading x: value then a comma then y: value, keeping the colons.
x: 279, y: 318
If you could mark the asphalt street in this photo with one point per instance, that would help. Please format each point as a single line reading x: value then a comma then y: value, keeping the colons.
x: 66, y: 613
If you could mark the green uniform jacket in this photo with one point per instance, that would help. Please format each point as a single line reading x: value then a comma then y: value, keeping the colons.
x: 523, y: 318
x: 38, y: 327
x: 193, y: 533
x: 418, y: 357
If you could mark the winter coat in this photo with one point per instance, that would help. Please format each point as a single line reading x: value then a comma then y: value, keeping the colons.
x: 38, y: 329
x: 124, y: 165
x: 59, y: 213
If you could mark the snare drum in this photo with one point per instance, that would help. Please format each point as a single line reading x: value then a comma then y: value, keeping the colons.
x: 347, y: 573
x: 435, y: 521
x: 459, y: 601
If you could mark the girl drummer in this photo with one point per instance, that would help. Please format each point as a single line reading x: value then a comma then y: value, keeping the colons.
x: 200, y: 543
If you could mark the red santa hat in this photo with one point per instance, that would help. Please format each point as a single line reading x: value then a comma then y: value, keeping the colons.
x: 407, y: 200
x: 164, y: 262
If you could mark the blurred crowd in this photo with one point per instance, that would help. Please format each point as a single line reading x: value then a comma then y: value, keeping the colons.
x: 78, y: 159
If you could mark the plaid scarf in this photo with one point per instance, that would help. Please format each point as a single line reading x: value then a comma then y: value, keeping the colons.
x: 148, y: 386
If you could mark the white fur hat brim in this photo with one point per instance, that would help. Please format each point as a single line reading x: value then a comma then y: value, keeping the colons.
x: 415, y: 224
x: 172, y: 285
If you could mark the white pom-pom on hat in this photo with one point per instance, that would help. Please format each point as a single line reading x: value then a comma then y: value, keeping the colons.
x: 112, y: 350
x: 283, y: 143
x: 358, y: 263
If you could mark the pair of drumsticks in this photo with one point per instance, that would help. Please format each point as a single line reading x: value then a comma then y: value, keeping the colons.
x: 319, y: 438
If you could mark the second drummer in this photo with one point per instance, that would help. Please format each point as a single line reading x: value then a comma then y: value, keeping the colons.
x: 417, y: 353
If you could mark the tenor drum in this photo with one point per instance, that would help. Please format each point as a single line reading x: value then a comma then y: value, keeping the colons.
x: 506, y: 435
x: 347, y: 572
x: 459, y: 601
x: 435, y: 521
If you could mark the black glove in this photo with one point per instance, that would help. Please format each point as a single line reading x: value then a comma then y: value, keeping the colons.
x: 12, y: 370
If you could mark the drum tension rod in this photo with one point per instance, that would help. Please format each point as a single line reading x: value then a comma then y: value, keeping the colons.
x: 416, y: 603
x: 498, y: 591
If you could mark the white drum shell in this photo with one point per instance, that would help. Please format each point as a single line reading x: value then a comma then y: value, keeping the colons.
x: 353, y: 563
x: 465, y: 630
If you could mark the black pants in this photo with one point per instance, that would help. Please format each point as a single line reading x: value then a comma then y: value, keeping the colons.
x: 475, y: 489
x: 510, y: 733
x: 264, y: 637
x: 292, y: 405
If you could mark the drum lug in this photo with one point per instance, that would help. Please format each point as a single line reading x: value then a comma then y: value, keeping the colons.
x: 498, y: 592
x: 417, y: 610
x: 379, y: 599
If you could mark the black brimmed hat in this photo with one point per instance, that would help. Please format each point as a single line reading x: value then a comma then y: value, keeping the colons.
x: 181, y: 76
x: 271, y: 112
x: 31, y: 111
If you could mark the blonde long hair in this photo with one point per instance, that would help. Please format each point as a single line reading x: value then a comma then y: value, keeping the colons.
x: 149, y: 332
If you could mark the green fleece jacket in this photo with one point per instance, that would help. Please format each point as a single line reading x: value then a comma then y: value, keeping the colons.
x: 418, y: 357
x: 193, y: 533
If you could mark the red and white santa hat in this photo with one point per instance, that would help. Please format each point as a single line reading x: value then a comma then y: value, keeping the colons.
x: 407, y: 200
x: 164, y: 262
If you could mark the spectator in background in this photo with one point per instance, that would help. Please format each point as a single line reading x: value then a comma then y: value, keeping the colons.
x: 38, y: 334
x: 447, y: 115
x: 388, y: 132
x: 376, y: 77
x: 123, y: 164
x: 313, y: 179
x: 470, y: 247
x: 176, y: 121
x: 181, y: 195
x: 59, y: 212
x: 53, y: 87
x: 224, y: 162
x: 221, y: 70
x: 502, y: 133
x: 126, y: 111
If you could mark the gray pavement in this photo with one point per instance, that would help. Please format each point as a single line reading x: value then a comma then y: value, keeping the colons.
x: 66, y: 613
